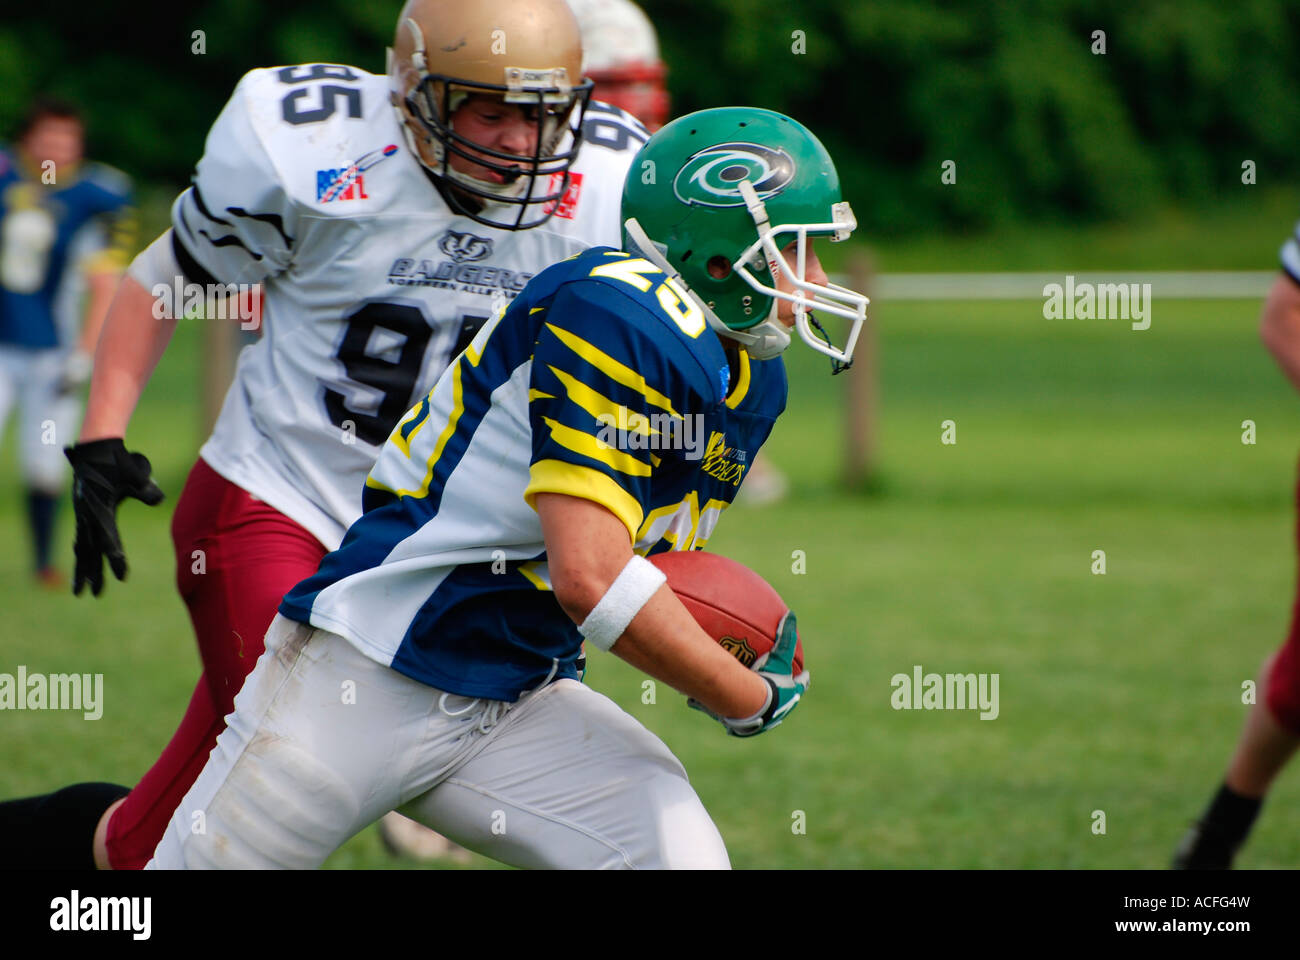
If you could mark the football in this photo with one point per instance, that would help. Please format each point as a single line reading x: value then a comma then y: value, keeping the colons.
x: 734, y: 605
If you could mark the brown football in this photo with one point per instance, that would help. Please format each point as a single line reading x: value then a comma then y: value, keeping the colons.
x: 733, y: 604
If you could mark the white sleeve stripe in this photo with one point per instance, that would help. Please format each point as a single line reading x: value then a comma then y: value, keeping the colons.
x: 216, y: 236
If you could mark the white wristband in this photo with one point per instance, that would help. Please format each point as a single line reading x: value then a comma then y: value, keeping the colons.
x: 629, y: 592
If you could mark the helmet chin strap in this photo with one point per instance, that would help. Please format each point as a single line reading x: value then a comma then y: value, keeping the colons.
x: 763, y: 341
x: 420, y: 62
x: 771, y: 337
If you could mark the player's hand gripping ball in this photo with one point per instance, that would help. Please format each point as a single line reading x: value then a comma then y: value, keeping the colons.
x: 748, y: 618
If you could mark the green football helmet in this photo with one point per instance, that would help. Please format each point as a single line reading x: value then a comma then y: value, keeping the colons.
x: 732, y: 183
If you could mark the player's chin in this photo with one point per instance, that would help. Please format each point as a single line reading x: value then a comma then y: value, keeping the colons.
x: 497, y: 176
x: 787, y: 320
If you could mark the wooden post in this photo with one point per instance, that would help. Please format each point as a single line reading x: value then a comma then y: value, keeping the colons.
x: 861, y: 390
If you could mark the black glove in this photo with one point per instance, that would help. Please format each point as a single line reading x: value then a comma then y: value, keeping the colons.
x: 104, y: 474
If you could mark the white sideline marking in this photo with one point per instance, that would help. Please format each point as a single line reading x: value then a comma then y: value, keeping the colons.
x: 1165, y: 284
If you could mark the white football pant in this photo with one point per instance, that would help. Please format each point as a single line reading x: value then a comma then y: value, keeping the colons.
x: 325, y: 741
x: 48, y: 420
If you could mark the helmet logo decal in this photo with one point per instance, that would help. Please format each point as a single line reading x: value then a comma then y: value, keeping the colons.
x: 709, y: 177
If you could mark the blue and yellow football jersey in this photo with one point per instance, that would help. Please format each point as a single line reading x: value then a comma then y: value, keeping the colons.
x: 601, y: 381
x: 48, y: 234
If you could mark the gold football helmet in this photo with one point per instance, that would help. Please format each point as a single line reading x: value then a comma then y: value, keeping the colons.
x: 526, y: 54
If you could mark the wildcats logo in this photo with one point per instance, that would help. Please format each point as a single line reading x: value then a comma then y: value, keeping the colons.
x: 722, y: 462
x: 709, y: 177
x: 465, y: 247
x: 740, y: 649
x: 347, y: 183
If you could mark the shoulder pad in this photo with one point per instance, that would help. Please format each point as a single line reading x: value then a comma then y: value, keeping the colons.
x: 666, y: 316
x: 612, y: 128
x: 314, y: 117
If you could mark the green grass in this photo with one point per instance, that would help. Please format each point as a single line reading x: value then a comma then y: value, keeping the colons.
x: 1241, y: 232
x: 1119, y: 693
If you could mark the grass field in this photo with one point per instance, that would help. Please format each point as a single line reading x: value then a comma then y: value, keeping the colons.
x: 1118, y: 692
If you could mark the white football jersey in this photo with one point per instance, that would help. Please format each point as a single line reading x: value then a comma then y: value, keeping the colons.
x: 371, y: 284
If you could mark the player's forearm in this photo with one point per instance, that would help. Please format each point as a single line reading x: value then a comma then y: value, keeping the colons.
x: 130, y: 345
x: 587, y: 547
x: 664, y: 641
x: 1280, y: 327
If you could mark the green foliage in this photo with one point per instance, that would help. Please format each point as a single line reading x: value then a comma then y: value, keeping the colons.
x: 1038, y: 125
x: 149, y: 97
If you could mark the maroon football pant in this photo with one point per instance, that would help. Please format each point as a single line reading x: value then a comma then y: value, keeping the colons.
x: 1283, y: 697
x: 236, y: 557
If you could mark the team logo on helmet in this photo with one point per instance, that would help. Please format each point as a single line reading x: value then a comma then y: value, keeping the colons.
x: 710, y: 176
x: 740, y: 649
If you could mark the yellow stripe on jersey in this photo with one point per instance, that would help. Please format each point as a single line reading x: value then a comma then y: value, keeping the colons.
x: 420, y: 413
x: 556, y: 476
x: 457, y: 408
x: 742, y: 382
x: 114, y: 256
x: 611, y: 368
x: 601, y: 407
x: 526, y: 569
x: 535, y: 394
x: 588, y: 446
x: 474, y: 356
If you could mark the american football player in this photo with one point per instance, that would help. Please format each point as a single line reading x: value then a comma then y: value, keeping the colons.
x: 1272, y: 730
x: 620, y: 50
x: 385, y: 220
x: 66, y: 225
x: 621, y: 57
x: 430, y: 663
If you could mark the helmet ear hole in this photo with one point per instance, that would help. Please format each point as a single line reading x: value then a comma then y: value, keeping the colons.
x: 719, y: 267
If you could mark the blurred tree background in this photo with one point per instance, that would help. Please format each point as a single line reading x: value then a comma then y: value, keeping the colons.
x: 1040, y: 127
